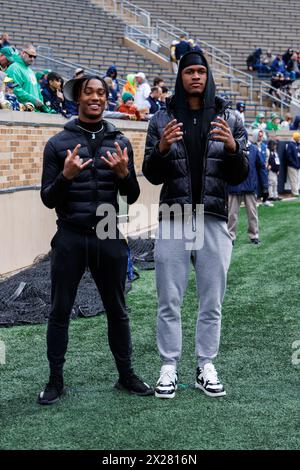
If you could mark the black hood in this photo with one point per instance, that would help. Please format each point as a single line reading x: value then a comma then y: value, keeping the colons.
x: 178, y: 102
x: 210, y: 89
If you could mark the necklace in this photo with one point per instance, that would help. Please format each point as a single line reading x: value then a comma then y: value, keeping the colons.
x: 91, y: 132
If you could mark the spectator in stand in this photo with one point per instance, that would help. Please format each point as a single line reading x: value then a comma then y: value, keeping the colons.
x: 293, y: 67
x: 254, y: 60
x: 154, y: 100
x: 113, y: 73
x: 293, y: 158
x: 173, y: 59
x: 112, y: 94
x: 260, y: 123
x: 274, y: 123
x: 287, y: 55
x: 130, y: 85
x: 142, y: 92
x: 4, y: 40
x: 286, y: 124
x: 7, y: 55
x: 240, y: 111
x: 53, y: 95
x: 247, y: 192
x: 158, y: 81
x: 182, y: 47
x: 282, y: 87
x: 273, y: 165
x: 42, y: 77
x: 10, y: 95
x: 79, y: 72
x: 128, y: 107
x: 4, y: 104
x: 28, y: 89
x: 165, y: 93
x: 194, y: 46
x: 296, y: 124
x: 267, y: 60
x: 278, y: 65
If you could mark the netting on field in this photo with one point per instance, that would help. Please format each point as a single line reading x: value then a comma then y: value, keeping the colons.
x: 25, y: 298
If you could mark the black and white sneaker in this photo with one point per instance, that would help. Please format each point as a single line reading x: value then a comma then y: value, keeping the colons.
x: 133, y: 384
x: 167, y: 382
x: 52, y: 392
x: 207, y: 381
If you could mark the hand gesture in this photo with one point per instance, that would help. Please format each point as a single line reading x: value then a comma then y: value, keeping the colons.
x: 73, y: 164
x: 222, y: 133
x: 172, y: 133
x: 118, y: 161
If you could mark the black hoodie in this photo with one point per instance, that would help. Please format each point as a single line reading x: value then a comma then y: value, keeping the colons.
x: 196, y: 124
x: 218, y: 166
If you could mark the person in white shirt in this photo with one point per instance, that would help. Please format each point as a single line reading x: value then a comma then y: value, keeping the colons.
x: 142, y: 92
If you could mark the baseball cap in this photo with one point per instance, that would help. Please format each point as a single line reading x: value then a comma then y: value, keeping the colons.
x: 141, y: 75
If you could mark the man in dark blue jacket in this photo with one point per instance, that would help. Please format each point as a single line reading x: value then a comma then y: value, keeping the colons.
x: 293, y: 158
x: 182, y: 47
x: 195, y: 147
x: 84, y: 167
x: 247, y: 192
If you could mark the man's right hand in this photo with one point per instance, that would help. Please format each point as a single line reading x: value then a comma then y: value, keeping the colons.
x: 172, y: 133
x: 73, y: 164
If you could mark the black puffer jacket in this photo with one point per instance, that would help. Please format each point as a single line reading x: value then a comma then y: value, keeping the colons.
x: 220, y: 167
x: 76, y: 201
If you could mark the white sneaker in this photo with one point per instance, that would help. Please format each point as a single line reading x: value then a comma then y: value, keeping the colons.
x: 167, y: 382
x: 268, y: 204
x: 207, y: 381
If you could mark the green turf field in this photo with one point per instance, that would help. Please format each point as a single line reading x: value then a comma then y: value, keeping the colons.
x: 260, y: 323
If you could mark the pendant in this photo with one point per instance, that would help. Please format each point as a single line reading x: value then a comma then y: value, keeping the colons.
x: 93, y: 136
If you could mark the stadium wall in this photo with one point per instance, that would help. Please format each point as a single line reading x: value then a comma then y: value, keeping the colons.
x: 26, y: 226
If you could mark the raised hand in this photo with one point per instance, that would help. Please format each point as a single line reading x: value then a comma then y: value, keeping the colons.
x: 73, y: 164
x: 172, y: 133
x: 222, y: 133
x: 118, y: 161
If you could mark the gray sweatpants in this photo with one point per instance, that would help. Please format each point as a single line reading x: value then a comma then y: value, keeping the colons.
x: 211, y: 263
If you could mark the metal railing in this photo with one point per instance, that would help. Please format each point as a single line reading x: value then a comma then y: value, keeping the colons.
x: 65, y: 68
x: 284, y: 100
x: 136, y: 15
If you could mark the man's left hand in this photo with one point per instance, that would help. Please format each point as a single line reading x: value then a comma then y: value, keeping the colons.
x: 118, y: 161
x: 222, y: 133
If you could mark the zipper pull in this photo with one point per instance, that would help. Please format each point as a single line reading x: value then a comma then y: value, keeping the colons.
x: 195, y: 121
x: 194, y: 221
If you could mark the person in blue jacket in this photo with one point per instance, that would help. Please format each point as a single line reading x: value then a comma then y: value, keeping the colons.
x: 247, y: 192
x: 293, y: 162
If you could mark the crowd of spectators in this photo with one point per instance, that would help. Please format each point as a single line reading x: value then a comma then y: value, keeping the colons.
x: 22, y: 89
x: 282, y: 69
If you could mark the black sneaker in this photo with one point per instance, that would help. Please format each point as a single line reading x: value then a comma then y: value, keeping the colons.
x: 53, y: 390
x: 132, y: 384
x: 255, y: 241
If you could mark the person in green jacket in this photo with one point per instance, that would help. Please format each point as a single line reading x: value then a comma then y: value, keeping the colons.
x: 28, y: 90
x: 274, y: 123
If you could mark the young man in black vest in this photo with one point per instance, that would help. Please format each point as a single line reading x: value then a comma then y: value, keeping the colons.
x: 85, y: 166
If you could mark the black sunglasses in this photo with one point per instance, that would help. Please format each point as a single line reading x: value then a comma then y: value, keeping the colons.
x: 32, y: 56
